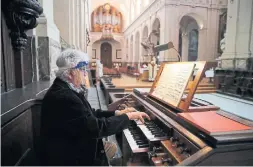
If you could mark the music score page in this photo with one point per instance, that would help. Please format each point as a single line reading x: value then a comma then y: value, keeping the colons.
x: 172, y: 82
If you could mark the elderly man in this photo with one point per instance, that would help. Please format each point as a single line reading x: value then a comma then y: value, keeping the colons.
x: 71, y: 130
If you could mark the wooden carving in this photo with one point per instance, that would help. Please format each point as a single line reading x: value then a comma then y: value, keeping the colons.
x: 20, y: 16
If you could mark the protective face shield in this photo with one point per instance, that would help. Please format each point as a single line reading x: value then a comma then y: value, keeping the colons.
x: 83, y: 65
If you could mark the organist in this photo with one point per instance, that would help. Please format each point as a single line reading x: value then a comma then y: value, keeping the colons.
x: 71, y: 130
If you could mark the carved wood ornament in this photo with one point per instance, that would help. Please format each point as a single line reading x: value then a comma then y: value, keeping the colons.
x: 20, y: 16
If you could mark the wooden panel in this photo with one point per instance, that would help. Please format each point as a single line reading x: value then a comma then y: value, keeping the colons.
x: 27, y: 59
x: 233, y: 158
x: 3, y: 81
x: 17, y: 140
x: 8, y: 57
x: 168, y: 146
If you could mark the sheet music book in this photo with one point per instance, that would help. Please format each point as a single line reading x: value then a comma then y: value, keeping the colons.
x: 172, y: 82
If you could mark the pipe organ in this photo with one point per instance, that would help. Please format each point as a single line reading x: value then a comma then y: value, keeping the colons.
x: 176, y: 134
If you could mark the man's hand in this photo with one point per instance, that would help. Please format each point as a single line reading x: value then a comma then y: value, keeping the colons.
x: 126, y: 110
x: 137, y: 115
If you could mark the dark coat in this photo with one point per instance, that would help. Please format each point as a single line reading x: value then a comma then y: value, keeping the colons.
x: 72, y: 131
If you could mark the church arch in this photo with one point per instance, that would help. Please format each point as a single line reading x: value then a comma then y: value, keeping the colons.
x: 106, y: 54
x: 199, y: 20
x: 190, y: 25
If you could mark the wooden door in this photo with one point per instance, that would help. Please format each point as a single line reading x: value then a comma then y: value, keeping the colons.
x: 106, y: 55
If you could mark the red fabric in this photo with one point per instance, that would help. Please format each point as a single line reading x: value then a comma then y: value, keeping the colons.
x: 211, y: 122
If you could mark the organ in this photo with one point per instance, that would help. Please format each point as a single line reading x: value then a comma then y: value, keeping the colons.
x: 183, y: 130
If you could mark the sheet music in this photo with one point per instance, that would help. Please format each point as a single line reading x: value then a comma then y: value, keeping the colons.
x: 172, y: 82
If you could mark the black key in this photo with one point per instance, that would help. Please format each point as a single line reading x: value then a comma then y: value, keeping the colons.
x: 159, y: 135
x: 154, y: 131
x: 143, y: 146
x: 137, y: 137
x: 141, y: 142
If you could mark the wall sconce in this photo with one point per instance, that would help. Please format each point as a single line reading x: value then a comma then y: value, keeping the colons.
x: 231, y: 1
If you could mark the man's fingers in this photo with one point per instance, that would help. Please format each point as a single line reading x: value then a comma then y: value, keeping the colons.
x: 146, y: 116
x: 141, y: 119
x: 131, y: 109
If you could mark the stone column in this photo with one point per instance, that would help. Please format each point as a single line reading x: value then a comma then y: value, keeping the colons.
x: 134, y: 49
x: 239, y: 34
x: 77, y: 23
x: 63, y: 20
x: 185, y: 46
x: 210, y: 51
x: 48, y: 41
x: 73, y: 22
x: 82, y: 26
x: 202, y: 45
x: 128, y: 50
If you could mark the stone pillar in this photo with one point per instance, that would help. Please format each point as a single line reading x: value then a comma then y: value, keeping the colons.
x: 82, y: 26
x: 162, y: 41
x: 185, y: 46
x: 73, y: 22
x: 134, y: 49
x: 48, y: 41
x: 202, y: 45
x: 210, y: 49
x: 77, y: 23
x: 63, y: 20
x: 239, y: 34
x: 129, y: 51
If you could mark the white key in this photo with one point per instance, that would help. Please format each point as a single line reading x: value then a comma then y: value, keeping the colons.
x: 146, y: 132
x: 133, y: 145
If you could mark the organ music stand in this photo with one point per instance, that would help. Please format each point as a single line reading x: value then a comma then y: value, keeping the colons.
x: 192, y: 84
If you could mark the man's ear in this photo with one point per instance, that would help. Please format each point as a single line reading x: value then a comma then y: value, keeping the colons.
x: 72, y: 73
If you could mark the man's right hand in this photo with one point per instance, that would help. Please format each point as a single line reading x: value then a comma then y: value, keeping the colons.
x: 137, y: 115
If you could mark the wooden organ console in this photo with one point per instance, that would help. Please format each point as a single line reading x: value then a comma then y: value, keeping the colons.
x: 183, y: 130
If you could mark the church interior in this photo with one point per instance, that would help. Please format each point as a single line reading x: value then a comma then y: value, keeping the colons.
x: 188, y: 64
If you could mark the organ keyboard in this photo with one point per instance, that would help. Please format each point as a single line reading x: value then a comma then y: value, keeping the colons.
x: 173, y: 137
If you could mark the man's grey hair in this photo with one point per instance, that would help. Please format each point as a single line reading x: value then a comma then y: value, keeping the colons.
x: 68, y: 59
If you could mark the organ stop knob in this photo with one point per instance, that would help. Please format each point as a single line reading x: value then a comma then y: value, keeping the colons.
x: 166, y: 160
x: 174, y: 139
x: 157, y: 149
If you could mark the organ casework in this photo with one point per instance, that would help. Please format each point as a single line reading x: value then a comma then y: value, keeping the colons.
x: 183, y: 129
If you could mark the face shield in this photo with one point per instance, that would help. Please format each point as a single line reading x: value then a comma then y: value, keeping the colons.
x: 83, y: 65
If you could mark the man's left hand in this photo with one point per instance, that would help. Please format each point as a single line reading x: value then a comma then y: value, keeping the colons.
x: 126, y: 110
